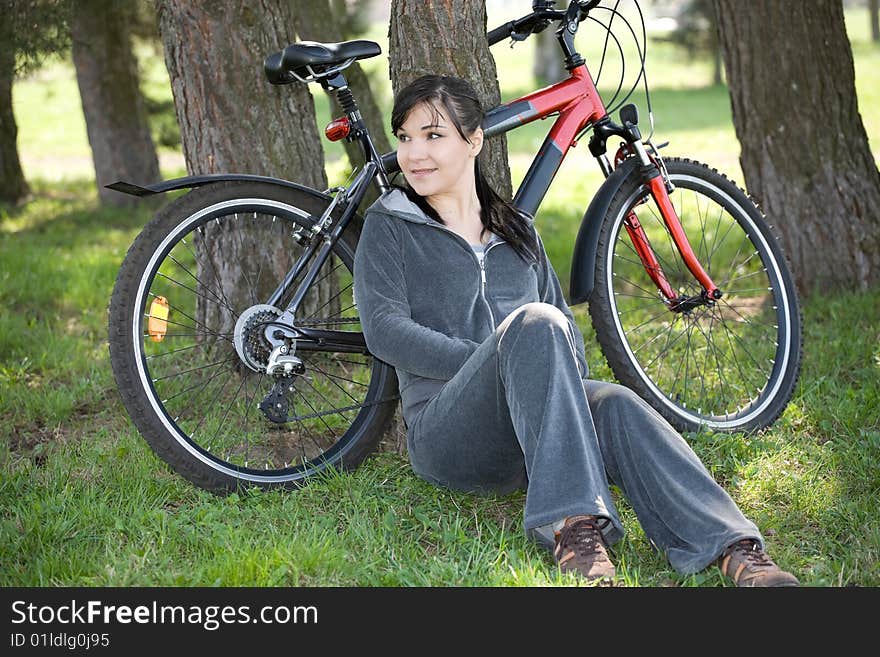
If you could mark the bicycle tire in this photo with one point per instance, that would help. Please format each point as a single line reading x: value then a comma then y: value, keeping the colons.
x: 176, y: 385
x: 731, y: 366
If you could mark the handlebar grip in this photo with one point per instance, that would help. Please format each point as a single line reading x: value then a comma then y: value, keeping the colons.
x: 500, y: 33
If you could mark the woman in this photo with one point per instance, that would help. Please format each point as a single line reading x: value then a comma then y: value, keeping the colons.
x: 455, y: 290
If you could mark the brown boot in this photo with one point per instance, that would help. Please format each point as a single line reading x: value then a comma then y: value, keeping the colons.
x: 748, y: 565
x: 580, y: 548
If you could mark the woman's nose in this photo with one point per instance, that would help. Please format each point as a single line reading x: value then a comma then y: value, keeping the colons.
x: 415, y: 150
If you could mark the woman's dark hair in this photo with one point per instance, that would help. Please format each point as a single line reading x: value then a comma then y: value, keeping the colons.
x: 464, y: 110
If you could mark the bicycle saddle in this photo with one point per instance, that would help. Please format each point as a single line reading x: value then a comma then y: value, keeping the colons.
x: 290, y: 64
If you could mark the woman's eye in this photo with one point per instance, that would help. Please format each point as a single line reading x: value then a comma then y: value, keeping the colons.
x: 434, y: 135
x: 402, y: 138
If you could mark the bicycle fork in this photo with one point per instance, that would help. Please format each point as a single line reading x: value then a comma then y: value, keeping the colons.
x: 659, y: 187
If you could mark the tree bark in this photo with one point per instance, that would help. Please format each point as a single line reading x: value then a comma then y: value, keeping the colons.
x: 116, y: 120
x: 312, y: 24
x: 13, y: 186
x: 805, y: 153
x: 448, y: 37
x: 232, y: 120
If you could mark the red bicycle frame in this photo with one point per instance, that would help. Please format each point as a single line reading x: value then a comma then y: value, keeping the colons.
x: 579, y: 106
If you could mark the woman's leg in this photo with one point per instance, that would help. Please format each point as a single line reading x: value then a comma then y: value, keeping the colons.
x: 516, y: 412
x: 683, y: 511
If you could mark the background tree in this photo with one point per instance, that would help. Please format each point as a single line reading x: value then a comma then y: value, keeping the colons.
x: 13, y: 186
x: 107, y: 75
x: 333, y: 21
x: 548, y: 66
x: 29, y: 30
x: 231, y: 119
x: 448, y: 37
x: 805, y: 153
x: 697, y: 33
x: 874, y: 13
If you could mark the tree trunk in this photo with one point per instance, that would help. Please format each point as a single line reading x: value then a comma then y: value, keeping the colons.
x: 805, y: 153
x: 548, y: 64
x: 874, y: 10
x: 313, y: 23
x: 116, y: 120
x: 13, y: 186
x: 448, y: 37
x: 717, y: 67
x: 232, y: 120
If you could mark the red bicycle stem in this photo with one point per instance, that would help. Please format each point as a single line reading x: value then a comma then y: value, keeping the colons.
x: 661, y: 197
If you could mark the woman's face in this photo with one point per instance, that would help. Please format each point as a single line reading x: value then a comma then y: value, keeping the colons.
x: 433, y: 156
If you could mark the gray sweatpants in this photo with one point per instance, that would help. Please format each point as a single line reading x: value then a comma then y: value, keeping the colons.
x: 519, y: 414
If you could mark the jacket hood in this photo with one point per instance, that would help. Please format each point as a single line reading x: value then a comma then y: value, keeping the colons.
x: 395, y: 202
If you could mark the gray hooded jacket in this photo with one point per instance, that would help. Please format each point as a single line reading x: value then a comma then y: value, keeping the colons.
x: 426, y: 301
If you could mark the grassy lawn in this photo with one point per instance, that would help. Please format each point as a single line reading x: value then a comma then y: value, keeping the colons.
x: 83, y: 500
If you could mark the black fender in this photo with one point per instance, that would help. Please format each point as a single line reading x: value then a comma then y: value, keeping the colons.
x: 583, y: 260
x: 197, y: 181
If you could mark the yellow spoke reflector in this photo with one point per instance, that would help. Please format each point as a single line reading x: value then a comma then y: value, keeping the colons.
x: 158, y: 324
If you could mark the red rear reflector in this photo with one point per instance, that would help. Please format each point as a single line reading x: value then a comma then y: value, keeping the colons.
x: 338, y: 129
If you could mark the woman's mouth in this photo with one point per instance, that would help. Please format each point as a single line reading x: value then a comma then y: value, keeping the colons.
x: 421, y: 173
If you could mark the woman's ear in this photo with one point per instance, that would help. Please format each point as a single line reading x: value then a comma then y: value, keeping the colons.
x: 476, y: 142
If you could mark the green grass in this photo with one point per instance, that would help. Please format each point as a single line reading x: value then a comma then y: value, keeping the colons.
x: 83, y: 501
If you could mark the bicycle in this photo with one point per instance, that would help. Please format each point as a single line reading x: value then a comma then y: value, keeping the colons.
x: 261, y: 377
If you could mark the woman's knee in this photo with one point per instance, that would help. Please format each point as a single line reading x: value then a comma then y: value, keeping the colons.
x: 619, y: 410
x: 534, y: 319
x: 613, y: 398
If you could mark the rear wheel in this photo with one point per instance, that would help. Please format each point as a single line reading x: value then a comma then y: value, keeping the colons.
x: 187, y: 319
x: 731, y: 365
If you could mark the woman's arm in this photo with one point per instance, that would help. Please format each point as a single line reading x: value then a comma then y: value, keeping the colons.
x: 380, y: 293
x: 551, y: 292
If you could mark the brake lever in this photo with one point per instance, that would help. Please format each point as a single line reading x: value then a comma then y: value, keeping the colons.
x: 517, y: 36
x: 535, y: 29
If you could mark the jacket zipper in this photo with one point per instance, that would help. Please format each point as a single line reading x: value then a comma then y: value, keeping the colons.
x: 481, y: 264
x: 483, y: 277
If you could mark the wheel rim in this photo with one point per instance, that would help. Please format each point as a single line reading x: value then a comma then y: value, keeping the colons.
x: 720, y: 366
x: 194, y: 380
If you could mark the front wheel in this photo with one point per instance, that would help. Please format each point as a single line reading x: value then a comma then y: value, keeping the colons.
x: 187, y: 346
x: 731, y: 365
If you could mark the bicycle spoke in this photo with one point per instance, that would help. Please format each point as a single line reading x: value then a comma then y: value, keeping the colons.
x: 210, y: 263
x: 243, y: 420
x: 242, y: 253
x: 321, y: 395
x: 220, y: 298
x: 710, y: 343
x: 654, y: 339
x: 194, y: 369
x: 207, y: 410
x: 742, y: 377
x: 744, y: 347
x: 319, y: 415
x: 329, y: 301
x: 178, y: 310
x: 187, y: 326
x: 176, y: 282
x: 649, y: 320
x: 626, y: 280
x: 173, y: 351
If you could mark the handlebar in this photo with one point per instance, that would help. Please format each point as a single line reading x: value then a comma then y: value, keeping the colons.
x: 540, y: 18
